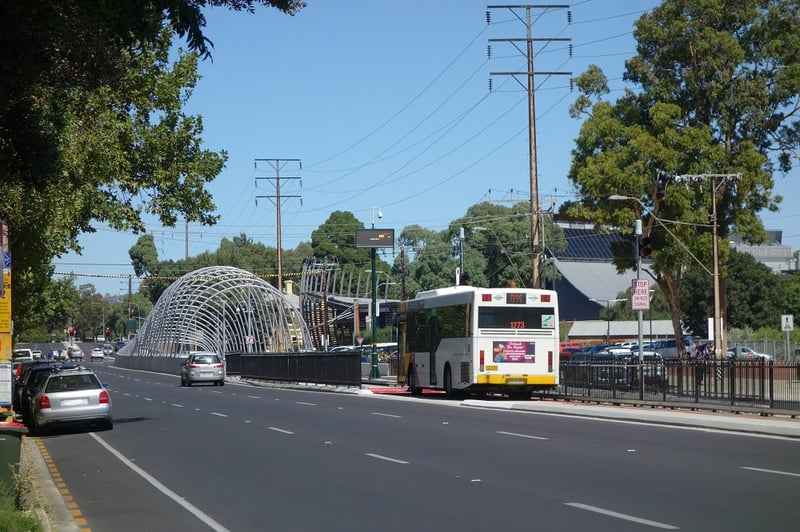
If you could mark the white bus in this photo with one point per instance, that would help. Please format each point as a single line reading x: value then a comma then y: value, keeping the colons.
x: 480, y: 340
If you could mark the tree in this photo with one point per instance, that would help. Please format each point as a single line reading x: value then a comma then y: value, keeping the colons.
x: 719, y: 90
x: 91, y: 128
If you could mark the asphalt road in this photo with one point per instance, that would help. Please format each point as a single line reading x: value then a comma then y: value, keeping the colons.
x: 246, y: 458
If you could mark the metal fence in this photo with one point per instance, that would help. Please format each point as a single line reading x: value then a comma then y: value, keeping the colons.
x: 342, y: 369
x: 736, y: 385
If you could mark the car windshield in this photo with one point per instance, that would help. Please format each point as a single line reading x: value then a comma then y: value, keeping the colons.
x: 69, y: 383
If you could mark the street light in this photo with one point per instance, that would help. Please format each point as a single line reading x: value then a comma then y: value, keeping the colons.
x: 375, y: 371
x: 608, y: 315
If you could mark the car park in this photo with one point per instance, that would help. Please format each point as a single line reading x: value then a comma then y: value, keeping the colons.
x: 70, y: 395
x: 202, y: 366
x: 97, y: 354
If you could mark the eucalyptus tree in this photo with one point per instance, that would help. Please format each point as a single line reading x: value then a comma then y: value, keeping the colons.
x: 91, y: 124
x: 718, y: 82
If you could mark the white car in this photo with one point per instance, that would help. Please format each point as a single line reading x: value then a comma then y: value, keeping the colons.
x: 97, y: 354
x: 74, y: 353
x: 745, y: 353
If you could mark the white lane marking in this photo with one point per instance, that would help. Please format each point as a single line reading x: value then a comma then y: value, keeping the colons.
x: 625, y: 517
x: 218, y: 414
x: 276, y: 429
x: 773, y: 471
x: 161, y: 487
x: 177, y: 405
x: 307, y: 404
x: 253, y: 397
x: 521, y: 435
x: 385, y: 415
x: 381, y: 457
x: 148, y: 399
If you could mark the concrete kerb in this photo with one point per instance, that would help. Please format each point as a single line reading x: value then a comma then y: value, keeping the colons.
x: 744, y: 423
x: 41, y: 495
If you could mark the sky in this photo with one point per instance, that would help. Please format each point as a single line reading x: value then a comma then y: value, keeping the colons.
x: 384, y: 107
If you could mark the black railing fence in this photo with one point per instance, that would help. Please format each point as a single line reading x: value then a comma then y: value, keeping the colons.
x: 342, y: 368
x: 759, y: 384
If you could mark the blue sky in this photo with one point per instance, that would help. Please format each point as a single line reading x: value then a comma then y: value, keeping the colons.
x: 385, y: 104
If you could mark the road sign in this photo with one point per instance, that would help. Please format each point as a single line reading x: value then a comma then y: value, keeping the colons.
x: 787, y: 322
x: 640, y: 294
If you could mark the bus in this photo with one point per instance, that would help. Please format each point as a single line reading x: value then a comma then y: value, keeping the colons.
x: 480, y: 340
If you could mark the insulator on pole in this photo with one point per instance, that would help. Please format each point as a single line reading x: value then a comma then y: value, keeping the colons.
x: 488, y: 17
x: 489, y: 51
x: 569, y: 16
x: 490, y: 84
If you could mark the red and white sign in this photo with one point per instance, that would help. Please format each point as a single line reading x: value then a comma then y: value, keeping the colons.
x: 640, y: 294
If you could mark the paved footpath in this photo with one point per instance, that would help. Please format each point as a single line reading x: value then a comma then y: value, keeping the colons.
x: 58, y: 515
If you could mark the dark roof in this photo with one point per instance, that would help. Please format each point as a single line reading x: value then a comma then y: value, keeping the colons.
x: 586, y: 243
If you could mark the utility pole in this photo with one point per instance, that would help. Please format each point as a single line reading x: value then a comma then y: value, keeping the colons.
x: 718, y: 182
x: 536, y: 280
x: 277, y: 165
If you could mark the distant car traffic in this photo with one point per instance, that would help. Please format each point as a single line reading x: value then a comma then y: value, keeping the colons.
x: 108, y: 349
x: 70, y: 395
x: 202, y: 367
x: 746, y: 353
x: 97, y: 354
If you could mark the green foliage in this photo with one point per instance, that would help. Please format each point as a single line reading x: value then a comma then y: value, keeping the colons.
x: 715, y: 97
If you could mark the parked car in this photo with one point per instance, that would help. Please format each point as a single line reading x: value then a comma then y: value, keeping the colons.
x: 30, y: 378
x: 202, y: 367
x: 745, y: 353
x: 70, y: 395
x: 97, y: 354
x: 22, y: 354
x: 669, y: 348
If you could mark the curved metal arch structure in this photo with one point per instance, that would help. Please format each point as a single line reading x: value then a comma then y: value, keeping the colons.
x: 220, y: 308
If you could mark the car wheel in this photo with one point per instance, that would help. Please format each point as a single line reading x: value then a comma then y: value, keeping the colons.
x: 38, y: 430
x: 183, y: 381
x: 188, y: 383
x: 222, y: 382
x: 108, y: 424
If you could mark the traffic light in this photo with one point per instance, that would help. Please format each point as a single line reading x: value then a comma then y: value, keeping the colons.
x: 644, y: 247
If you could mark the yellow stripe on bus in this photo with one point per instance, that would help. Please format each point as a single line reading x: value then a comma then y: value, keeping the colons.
x: 516, y: 379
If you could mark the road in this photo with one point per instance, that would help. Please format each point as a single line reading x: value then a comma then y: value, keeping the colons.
x: 245, y: 458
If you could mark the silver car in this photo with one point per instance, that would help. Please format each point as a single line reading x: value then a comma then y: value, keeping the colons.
x: 70, y: 395
x: 202, y: 367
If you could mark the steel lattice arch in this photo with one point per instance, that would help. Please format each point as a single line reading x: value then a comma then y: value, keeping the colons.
x: 224, y: 310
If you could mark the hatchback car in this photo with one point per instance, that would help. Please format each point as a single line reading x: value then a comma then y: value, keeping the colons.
x: 70, y: 396
x: 74, y: 353
x: 202, y: 367
x: 97, y: 354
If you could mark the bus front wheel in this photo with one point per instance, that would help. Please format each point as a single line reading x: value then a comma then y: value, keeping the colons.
x: 448, y: 382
